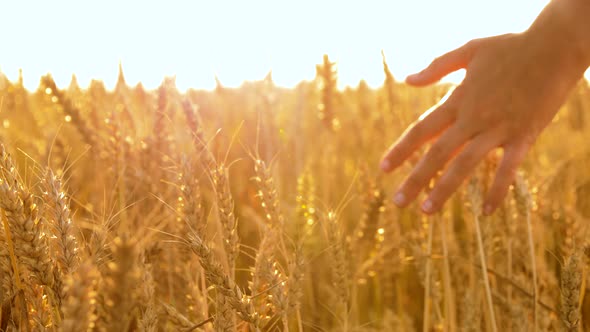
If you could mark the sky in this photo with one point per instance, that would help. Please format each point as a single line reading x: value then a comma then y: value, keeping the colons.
x: 241, y: 40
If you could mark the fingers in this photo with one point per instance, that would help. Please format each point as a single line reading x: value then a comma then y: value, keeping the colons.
x: 434, y: 160
x: 443, y: 65
x: 512, y: 158
x: 429, y: 126
x: 459, y: 169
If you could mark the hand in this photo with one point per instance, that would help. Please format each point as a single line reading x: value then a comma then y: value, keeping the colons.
x: 513, y: 87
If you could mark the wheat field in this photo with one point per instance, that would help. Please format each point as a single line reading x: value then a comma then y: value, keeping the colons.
x: 261, y: 208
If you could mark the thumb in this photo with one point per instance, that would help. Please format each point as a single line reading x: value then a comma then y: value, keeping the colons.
x: 444, y: 65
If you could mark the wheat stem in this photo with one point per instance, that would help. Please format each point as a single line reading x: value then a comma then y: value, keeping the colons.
x: 476, y: 202
x: 523, y: 200
x: 427, y: 300
x: 448, y: 289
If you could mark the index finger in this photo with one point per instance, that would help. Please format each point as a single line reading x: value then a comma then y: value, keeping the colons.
x: 430, y: 125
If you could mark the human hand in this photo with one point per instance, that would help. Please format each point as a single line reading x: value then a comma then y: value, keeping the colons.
x: 513, y: 87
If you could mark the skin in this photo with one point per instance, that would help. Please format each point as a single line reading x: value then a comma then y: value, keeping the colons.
x: 514, y: 86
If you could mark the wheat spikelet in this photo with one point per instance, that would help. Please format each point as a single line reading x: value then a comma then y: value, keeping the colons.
x: 113, y: 151
x: 295, y: 280
x: 262, y: 276
x: 393, y: 322
x: 194, y: 124
x: 339, y: 265
x: 189, y: 204
x: 7, y: 281
x: 276, y: 287
x: 198, y: 300
x: 40, y: 309
x: 160, y: 130
x: 268, y: 281
x: 392, y: 98
x: 190, y: 217
x: 148, y: 322
x: 365, y: 231
x: 224, y: 316
x: 178, y: 320
x: 388, y: 255
x: 515, y: 312
x: 327, y: 72
x: 25, y: 222
x: 118, y: 286
x: 224, y: 284
x: 267, y: 273
x: 471, y: 319
x: 69, y: 109
x: 227, y: 217
x: 338, y: 254
x: 61, y: 226
x: 571, y: 280
x: 522, y: 195
x: 268, y: 194
x: 79, y: 307
x: 306, y: 207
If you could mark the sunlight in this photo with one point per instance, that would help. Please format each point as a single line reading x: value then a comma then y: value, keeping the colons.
x: 240, y: 41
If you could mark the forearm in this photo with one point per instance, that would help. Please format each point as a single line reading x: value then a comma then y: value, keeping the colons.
x: 565, y: 25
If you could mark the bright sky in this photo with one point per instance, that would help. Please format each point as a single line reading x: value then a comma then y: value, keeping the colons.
x: 241, y: 40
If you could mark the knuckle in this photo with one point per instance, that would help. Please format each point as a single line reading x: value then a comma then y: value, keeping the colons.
x: 465, y: 162
x: 436, y: 153
x: 453, y: 178
x: 472, y: 43
x: 508, y: 129
x: 469, y: 159
x: 436, y: 62
x: 485, y: 117
x: 528, y: 141
x: 464, y: 125
x: 474, y: 122
x: 512, y: 126
x: 469, y: 45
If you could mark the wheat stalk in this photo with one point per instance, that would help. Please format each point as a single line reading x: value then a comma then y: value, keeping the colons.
x: 339, y: 264
x: 118, y: 286
x: 79, y: 307
x: 474, y: 193
x: 524, y: 205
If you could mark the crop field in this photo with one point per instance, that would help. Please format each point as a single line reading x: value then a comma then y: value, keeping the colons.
x: 262, y: 208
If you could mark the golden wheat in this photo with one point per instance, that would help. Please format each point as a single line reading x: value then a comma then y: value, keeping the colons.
x: 137, y: 210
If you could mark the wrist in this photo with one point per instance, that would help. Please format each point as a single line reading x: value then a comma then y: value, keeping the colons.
x: 564, y: 26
